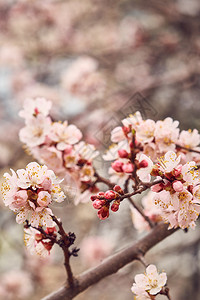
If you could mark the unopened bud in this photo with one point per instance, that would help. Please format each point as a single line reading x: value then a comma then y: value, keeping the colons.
x: 97, y: 204
x: 123, y: 153
x: 128, y: 168
x: 143, y: 163
x: 118, y: 189
x: 177, y: 186
x: 103, y: 213
x: 115, y: 205
x: 110, y: 195
x: 117, y: 166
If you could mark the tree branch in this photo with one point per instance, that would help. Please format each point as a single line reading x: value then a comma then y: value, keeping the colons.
x: 112, y: 264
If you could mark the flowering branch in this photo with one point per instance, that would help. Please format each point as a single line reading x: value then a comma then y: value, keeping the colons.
x: 112, y: 264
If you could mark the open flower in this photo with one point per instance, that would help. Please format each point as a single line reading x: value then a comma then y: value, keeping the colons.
x: 35, y: 131
x: 29, y: 193
x: 151, y: 282
x: 33, y: 107
x: 64, y: 134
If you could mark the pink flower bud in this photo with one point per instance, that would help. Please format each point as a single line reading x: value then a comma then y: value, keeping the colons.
x: 103, y: 213
x: 177, y: 186
x: 117, y: 166
x: 143, y: 164
x: 115, y: 206
x: 157, y: 187
x: 68, y: 149
x: 118, y: 189
x: 97, y: 204
x: 110, y: 195
x: 177, y: 171
x: 46, y: 184
x: 44, y: 198
x: 122, y: 153
x: 128, y: 168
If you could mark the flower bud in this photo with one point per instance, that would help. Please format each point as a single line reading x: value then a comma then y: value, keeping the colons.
x: 103, y: 213
x: 46, y: 184
x: 97, y: 204
x: 177, y: 186
x: 117, y: 166
x: 118, y: 189
x: 143, y: 164
x: 110, y: 195
x: 157, y: 187
x: 122, y: 153
x: 115, y: 205
x: 100, y: 195
x: 128, y: 168
x: 177, y: 171
x: 93, y: 197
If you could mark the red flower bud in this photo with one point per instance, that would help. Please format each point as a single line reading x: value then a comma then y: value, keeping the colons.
x: 110, y: 195
x: 103, y: 213
x: 143, y: 164
x: 97, y: 204
x: 117, y: 166
x: 122, y: 153
x: 115, y: 205
x: 50, y: 230
x: 93, y: 197
x: 118, y: 189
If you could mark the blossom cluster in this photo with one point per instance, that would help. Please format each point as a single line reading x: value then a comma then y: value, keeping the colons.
x: 30, y: 191
x: 37, y: 242
x: 102, y: 201
x: 57, y: 144
x: 178, y: 194
x: 137, y: 137
x: 148, y: 284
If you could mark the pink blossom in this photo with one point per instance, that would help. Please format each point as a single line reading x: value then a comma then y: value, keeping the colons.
x: 33, y: 245
x: 117, y: 166
x: 86, y: 151
x: 35, y: 131
x: 94, y: 250
x: 152, y: 282
x: 24, y: 193
x: 133, y: 120
x: 63, y: 134
x: 33, y: 107
x: 145, y: 131
x: 169, y: 162
x: 117, y: 134
x: 189, y: 139
x: 177, y: 186
x: 166, y: 134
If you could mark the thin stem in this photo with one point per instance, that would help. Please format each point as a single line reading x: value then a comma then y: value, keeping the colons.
x: 104, y: 180
x: 64, y: 244
x: 165, y: 291
x: 188, y: 149
x: 151, y: 224
x: 144, y: 186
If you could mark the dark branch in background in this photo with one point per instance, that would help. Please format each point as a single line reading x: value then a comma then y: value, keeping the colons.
x: 112, y: 264
x: 104, y: 180
x: 188, y: 149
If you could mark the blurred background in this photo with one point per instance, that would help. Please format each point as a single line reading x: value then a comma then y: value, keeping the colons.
x: 97, y: 61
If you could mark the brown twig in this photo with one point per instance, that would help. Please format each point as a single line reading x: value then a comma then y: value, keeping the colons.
x: 64, y: 244
x: 188, y: 149
x: 112, y: 264
x: 104, y: 180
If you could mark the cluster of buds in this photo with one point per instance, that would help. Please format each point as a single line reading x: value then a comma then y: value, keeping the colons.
x: 102, y: 201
